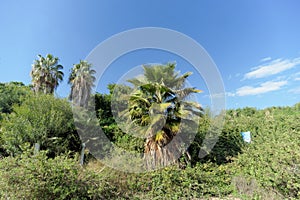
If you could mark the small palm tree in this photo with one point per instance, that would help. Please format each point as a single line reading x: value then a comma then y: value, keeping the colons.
x: 159, y: 104
x: 46, y: 74
x: 82, y: 81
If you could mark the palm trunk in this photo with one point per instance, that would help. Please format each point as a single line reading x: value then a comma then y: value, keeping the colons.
x: 158, y: 156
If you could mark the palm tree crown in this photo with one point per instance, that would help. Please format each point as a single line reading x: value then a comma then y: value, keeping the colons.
x: 46, y: 74
x: 82, y: 80
x: 157, y: 108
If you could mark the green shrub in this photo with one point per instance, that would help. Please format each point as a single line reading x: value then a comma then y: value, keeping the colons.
x: 10, y: 94
x: 203, y: 180
x: 41, y: 119
x: 272, y: 160
x: 30, y: 176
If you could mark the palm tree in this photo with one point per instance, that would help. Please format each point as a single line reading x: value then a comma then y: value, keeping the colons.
x: 158, y: 107
x: 82, y: 80
x: 46, y: 74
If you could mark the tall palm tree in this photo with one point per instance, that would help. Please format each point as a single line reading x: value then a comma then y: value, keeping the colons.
x: 159, y: 106
x: 82, y: 81
x: 46, y: 74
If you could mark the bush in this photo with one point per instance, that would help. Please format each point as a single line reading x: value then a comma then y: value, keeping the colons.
x: 40, y: 119
x: 272, y: 160
x: 30, y: 176
x: 202, y: 181
x: 10, y: 94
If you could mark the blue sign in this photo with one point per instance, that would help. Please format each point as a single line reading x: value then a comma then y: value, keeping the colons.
x: 246, y: 136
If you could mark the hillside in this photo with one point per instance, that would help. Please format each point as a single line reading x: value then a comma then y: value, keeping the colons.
x: 266, y: 168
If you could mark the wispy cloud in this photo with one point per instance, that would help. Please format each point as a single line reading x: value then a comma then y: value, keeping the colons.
x: 265, y: 59
x: 295, y: 90
x: 230, y: 94
x: 263, y: 88
x: 296, y: 76
x: 272, y: 67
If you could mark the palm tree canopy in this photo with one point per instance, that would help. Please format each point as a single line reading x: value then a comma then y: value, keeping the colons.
x: 157, y: 108
x: 46, y: 74
x: 82, y: 81
x: 164, y: 74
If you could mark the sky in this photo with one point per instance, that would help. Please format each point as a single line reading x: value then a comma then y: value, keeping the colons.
x: 255, y: 44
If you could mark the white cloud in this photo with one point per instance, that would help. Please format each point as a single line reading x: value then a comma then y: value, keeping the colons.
x: 265, y: 59
x: 297, y: 79
x: 272, y: 67
x: 230, y: 94
x: 263, y: 88
x: 295, y: 90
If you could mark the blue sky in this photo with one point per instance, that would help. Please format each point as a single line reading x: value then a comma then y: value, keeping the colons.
x: 255, y: 44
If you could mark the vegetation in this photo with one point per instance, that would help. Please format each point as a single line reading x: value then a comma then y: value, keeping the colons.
x: 28, y: 176
x: 82, y: 80
x: 12, y: 93
x: 266, y: 168
x: 46, y: 74
x: 41, y: 119
x: 157, y: 110
x: 272, y: 160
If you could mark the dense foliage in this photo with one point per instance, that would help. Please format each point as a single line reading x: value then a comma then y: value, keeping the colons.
x: 10, y: 94
x: 41, y: 119
x: 266, y: 168
x: 29, y: 176
x: 272, y: 161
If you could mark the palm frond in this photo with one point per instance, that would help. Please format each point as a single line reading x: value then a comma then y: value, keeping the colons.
x: 183, y: 93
